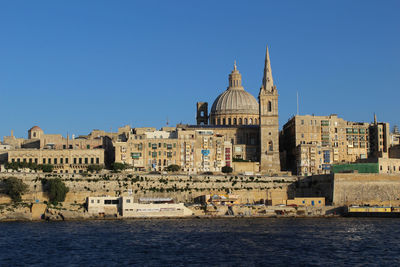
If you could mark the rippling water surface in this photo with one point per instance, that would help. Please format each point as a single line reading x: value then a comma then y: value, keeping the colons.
x: 222, y: 242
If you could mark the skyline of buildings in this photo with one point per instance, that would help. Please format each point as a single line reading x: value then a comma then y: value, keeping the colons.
x: 238, y: 131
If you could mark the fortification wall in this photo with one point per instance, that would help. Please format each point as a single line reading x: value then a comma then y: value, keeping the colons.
x: 361, y: 189
x: 182, y: 188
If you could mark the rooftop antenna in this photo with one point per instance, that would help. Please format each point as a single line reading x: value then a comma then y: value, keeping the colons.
x: 167, y: 121
x: 297, y: 103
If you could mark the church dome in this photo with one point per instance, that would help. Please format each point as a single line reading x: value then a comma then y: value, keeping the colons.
x: 36, y: 128
x: 235, y: 100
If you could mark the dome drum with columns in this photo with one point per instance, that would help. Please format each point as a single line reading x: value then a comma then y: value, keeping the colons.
x: 235, y: 106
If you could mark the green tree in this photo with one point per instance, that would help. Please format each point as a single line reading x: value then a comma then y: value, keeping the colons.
x: 56, y: 190
x: 172, y: 168
x: 117, y: 167
x: 14, y: 187
x: 94, y: 168
x: 46, y: 167
x: 226, y: 169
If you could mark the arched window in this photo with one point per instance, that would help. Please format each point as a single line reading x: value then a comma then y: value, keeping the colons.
x: 255, y: 121
x: 250, y: 121
x: 234, y: 121
x: 240, y: 121
x: 219, y: 122
x: 270, y: 146
x: 229, y: 121
x: 223, y: 121
x: 245, y: 121
x: 269, y: 106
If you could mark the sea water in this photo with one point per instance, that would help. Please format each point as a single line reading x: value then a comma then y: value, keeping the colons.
x: 203, y: 242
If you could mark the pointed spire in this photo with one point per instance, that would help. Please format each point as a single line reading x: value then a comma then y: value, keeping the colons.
x: 375, y: 121
x: 268, y: 82
x: 234, y: 65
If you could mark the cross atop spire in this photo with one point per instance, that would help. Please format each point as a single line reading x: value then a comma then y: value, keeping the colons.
x: 234, y: 65
x: 268, y: 82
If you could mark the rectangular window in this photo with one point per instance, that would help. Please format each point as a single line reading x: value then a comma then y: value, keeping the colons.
x: 149, y: 144
x: 324, y: 123
x: 74, y: 160
x: 44, y: 161
x: 91, y: 160
x: 88, y: 146
x: 61, y: 160
x: 97, y: 161
x: 66, y: 160
x: 128, y: 201
x: 49, y: 161
x: 80, y: 160
x: 111, y: 202
x: 136, y: 155
x: 154, y: 154
x: 55, y: 161
x: 86, y: 161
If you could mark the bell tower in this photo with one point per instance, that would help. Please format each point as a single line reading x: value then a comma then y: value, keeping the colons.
x: 269, y: 122
x: 202, y: 113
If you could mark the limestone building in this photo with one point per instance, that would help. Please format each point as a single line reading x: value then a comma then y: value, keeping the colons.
x: 63, y: 160
x: 193, y: 150
x: 311, y: 144
x: 38, y: 139
x: 66, y: 155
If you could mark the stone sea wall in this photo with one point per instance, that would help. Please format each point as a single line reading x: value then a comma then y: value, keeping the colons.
x: 182, y: 188
x: 361, y: 189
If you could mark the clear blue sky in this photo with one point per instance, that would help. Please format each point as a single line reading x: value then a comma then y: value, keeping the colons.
x: 74, y: 66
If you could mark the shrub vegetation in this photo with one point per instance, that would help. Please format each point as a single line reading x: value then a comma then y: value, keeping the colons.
x: 15, y: 188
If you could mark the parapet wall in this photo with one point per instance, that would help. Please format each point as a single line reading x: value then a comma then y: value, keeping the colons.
x: 361, y: 189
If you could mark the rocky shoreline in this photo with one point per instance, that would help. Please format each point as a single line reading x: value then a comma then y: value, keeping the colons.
x: 25, y: 214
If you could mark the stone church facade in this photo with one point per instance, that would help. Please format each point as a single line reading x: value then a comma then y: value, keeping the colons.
x: 252, y: 125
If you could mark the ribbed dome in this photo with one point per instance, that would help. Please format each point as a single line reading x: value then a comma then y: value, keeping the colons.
x: 235, y: 101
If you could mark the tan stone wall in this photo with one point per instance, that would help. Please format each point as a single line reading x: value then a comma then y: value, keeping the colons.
x: 372, y: 189
x: 242, y: 167
x: 182, y: 188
